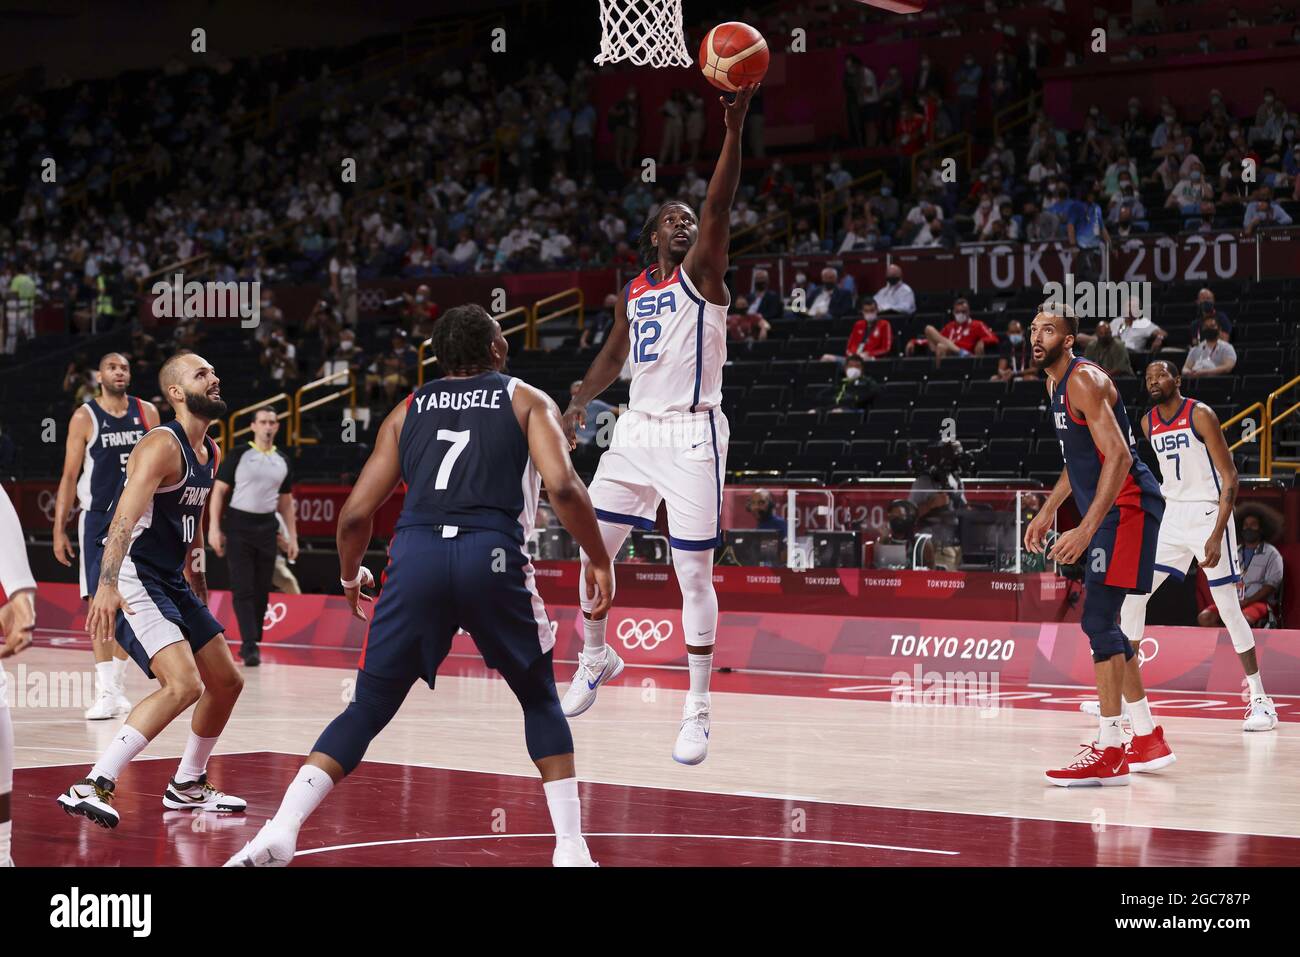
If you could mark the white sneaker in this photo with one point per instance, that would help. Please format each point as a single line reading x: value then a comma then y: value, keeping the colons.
x: 1261, y: 715
x: 273, y: 847
x: 121, y: 703
x: 105, y: 705
x: 201, y: 796
x: 692, y: 745
x: 7, y: 862
x: 593, y: 671
x: 572, y: 852
x: 91, y: 799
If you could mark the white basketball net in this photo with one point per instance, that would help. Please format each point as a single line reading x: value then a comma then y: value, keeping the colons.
x: 646, y: 32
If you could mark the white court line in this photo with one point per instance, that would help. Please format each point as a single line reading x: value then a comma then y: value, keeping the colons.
x: 711, y: 837
x: 844, y: 802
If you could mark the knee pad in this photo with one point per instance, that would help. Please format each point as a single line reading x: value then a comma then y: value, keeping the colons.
x: 374, y: 702
x: 1101, y: 607
x: 694, y: 572
x: 546, y: 729
x: 613, y: 536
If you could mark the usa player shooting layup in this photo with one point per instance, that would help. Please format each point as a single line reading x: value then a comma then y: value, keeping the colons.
x: 152, y: 597
x: 101, y: 435
x: 1121, y: 507
x: 1199, y: 482
x: 673, y: 320
x: 470, y: 447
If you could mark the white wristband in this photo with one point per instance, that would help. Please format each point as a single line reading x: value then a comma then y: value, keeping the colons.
x: 364, y: 578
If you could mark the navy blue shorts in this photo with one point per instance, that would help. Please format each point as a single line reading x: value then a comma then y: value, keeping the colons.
x: 1123, y: 552
x: 481, y: 581
x: 91, y: 529
x: 164, y: 611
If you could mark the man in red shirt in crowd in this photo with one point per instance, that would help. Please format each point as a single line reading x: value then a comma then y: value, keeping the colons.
x: 871, y: 338
x: 963, y: 336
x: 910, y: 135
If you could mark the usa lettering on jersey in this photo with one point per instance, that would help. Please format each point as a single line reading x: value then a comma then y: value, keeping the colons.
x: 459, y: 401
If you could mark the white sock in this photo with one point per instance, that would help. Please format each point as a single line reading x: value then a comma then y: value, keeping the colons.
x: 304, y: 795
x: 1139, y: 713
x: 5, y: 830
x: 593, y: 635
x: 119, y: 672
x: 104, y: 675
x: 701, y: 668
x: 194, y: 762
x: 1256, y: 684
x: 126, y: 744
x: 1111, y: 734
x: 565, y: 808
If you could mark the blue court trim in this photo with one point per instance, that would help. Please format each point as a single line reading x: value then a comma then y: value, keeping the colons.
x: 1225, y: 580
x: 693, y: 546
x: 618, y: 518
x: 1171, y: 571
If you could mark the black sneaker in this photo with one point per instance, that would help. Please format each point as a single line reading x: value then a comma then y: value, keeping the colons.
x: 252, y: 659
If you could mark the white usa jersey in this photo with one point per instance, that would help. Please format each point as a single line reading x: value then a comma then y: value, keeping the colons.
x: 679, y: 345
x: 1187, y: 472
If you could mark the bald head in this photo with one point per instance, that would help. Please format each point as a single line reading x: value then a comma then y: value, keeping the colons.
x: 191, y: 385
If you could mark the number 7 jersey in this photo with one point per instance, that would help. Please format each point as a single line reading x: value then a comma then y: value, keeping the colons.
x: 679, y: 345
x: 1187, y: 474
x: 464, y: 458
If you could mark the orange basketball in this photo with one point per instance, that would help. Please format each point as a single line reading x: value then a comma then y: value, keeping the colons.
x: 732, y: 55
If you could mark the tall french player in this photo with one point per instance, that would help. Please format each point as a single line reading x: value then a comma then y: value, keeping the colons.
x: 152, y: 598
x: 1199, y: 481
x: 1121, y: 507
x: 101, y: 435
x: 671, y: 444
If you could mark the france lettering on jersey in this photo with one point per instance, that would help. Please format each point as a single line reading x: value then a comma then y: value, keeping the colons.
x: 1187, y: 472
x: 112, y: 437
x: 161, y: 538
x: 464, y: 458
x: 1083, y: 460
x: 679, y: 345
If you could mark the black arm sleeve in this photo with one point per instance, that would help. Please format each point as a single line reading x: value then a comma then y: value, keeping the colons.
x: 287, y: 484
x: 226, y: 470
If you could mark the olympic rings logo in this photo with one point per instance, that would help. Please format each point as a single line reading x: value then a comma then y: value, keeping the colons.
x: 45, y: 502
x: 1143, y: 657
x: 645, y: 633
x: 274, y: 615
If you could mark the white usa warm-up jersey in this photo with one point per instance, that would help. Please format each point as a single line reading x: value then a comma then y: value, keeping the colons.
x: 679, y: 345
x: 1187, y: 472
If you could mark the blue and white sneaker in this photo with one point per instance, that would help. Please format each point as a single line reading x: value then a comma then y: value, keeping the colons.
x: 692, y: 745
x: 593, y: 671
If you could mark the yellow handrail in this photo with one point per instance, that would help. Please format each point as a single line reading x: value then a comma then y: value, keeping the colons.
x: 170, y: 270
x: 425, y: 346
x: 1271, y: 420
x: 939, y: 145
x: 223, y: 442
x: 572, y: 307
x: 761, y: 236
x: 831, y: 202
x: 523, y: 327
x: 1029, y: 103
x: 233, y: 433
x: 350, y: 390
x: 1255, y: 435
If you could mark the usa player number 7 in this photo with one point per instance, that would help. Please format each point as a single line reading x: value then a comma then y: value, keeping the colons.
x: 1178, y: 469
x: 458, y: 442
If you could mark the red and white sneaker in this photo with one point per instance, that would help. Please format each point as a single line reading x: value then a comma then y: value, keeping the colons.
x: 1149, y: 752
x: 1094, y: 767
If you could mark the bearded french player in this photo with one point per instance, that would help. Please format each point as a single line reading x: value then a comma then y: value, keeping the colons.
x: 1121, y: 507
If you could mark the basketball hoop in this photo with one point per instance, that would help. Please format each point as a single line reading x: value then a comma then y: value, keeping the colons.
x: 644, y: 32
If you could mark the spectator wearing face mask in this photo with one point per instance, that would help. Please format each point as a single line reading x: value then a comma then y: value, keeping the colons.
x: 745, y: 325
x: 829, y: 300
x: 1015, y: 348
x: 1138, y: 333
x: 871, y: 338
x: 763, y: 299
x: 1268, y: 120
x: 895, y: 295
x: 1126, y: 198
x: 1264, y: 212
x: 1210, y: 356
x: 986, y: 214
x: 1190, y: 192
x: 1205, y: 308
x: 1108, y: 352
x: 856, y: 390
x: 1260, y: 588
x: 961, y: 337
x: 884, y: 204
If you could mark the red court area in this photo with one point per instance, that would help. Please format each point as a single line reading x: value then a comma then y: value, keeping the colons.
x: 404, y: 816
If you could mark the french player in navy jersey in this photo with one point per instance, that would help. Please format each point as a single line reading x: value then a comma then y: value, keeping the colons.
x: 101, y: 435
x: 1121, y: 507
x: 152, y: 596
x: 471, y: 448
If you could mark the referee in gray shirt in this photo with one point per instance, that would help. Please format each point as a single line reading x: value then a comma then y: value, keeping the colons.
x: 252, y: 484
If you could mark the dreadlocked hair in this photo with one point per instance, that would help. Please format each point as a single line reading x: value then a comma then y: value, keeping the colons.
x: 462, y: 339
x: 644, y: 247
